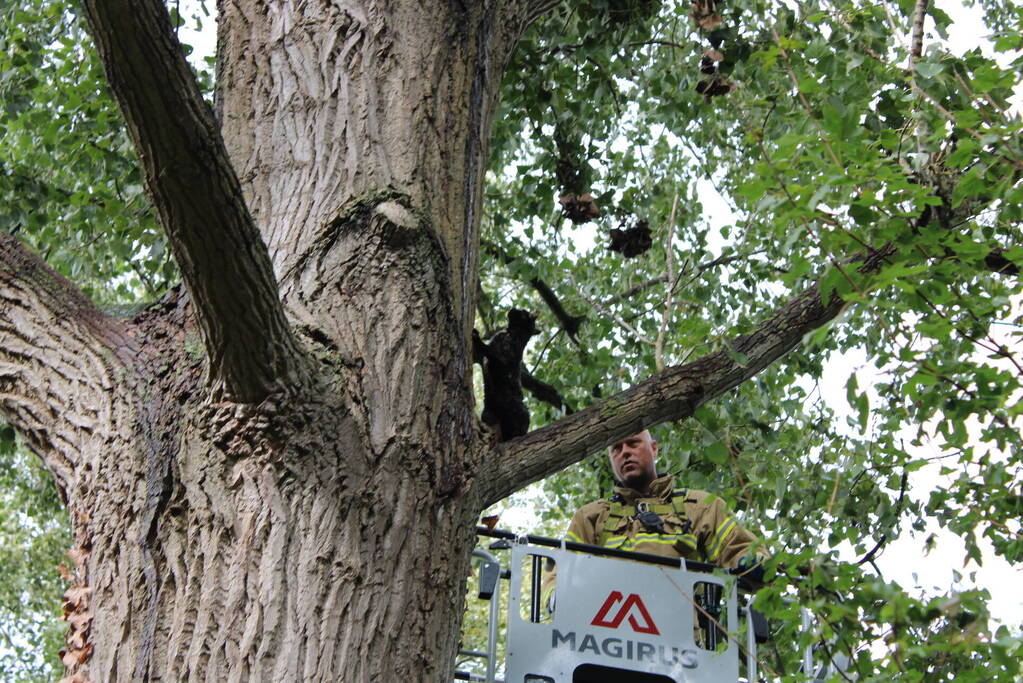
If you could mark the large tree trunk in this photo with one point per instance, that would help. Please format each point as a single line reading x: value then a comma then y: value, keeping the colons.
x: 320, y: 535
x: 314, y: 524
x: 279, y: 548
x: 323, y: 106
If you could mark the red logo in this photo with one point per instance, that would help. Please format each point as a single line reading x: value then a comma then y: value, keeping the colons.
x: 647, y: 624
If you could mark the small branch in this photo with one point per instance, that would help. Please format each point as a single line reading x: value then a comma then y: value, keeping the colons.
x: 802, y: 100
x: 916, y: 47
x: 517, y: 15
x: 199, y: 200
x: 612, y: 86
x: 916, y: 50
x: 666, y: 43
x: 614, y: 316
x: 654, y: 281
x: 669, y: 300
x: 872, y: 553
x: 634, y: 290
x: 670, y: 395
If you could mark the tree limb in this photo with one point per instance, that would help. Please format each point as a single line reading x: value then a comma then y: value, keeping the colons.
x: 60, y: 359
x: 198, y: 197
x: 670, y: 395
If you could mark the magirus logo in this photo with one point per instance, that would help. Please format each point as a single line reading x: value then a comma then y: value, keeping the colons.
x: 631, y: 607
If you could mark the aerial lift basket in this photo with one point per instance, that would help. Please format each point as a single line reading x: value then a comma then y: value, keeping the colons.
x: 585, y: 614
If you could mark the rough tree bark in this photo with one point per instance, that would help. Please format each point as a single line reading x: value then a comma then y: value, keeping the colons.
x: 273, y: 473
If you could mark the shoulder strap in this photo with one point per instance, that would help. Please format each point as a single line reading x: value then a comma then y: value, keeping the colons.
x: 675, y: 505
x: 618, y: 509
x: 678, y: 497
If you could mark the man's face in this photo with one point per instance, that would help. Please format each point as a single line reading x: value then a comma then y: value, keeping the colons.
x: 632, y: 460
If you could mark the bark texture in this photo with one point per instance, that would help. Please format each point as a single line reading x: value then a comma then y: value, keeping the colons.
x: 317, y: 535
x: 327, y: 103
x: 61, y: 367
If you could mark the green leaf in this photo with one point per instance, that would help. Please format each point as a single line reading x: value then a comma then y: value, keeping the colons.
x: 717, y: 453
x: 928, y: 69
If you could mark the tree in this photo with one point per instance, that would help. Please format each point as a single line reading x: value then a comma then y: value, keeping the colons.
x: 34, y: 532
x: 274, y: 471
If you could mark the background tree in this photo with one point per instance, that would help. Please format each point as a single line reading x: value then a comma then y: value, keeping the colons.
x: 274, y: 470
x: 33, y: 537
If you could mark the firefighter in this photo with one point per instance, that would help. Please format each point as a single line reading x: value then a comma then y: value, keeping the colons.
x: 648, y: 514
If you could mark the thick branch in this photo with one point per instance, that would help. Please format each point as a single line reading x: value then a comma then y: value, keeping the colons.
x: 670, y: 395
x: 60, y: 358
x: 197, y: 195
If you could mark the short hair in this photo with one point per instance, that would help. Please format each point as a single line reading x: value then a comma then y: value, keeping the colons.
x: 649, y: 434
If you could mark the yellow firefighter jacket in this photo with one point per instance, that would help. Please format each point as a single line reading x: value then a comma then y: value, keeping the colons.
x: 697, y: 526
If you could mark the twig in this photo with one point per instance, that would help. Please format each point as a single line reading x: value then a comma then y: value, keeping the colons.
x: 719, y: 626
x: 614, y: 316
x: 669, y: 301
x: 667, y: 43
x: 611, y: 82
x: 699, y: 270
x: 834, y: 492
x: 803, y: 101
x: 872, y: 553
x: 987, y: 96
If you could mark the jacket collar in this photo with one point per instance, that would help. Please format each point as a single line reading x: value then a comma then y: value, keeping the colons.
x: 660, y: 488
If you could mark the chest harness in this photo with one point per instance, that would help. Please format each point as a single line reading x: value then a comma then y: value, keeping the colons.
x: 650, y: 515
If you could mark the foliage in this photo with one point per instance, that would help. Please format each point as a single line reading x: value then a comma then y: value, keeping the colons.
x: 70, y: 183
x: 817, y: 135
x: 34, y: 534
x: 831, y: 144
